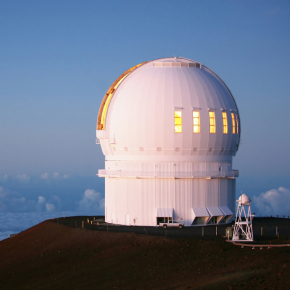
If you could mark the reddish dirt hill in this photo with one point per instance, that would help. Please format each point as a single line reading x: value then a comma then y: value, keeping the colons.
x: 53, y: 256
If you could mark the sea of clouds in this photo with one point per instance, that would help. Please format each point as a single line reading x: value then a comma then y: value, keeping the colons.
x: 26, y: 201
x: 272, y: 202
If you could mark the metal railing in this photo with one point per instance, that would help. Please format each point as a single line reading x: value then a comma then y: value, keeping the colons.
x: 156, y: 174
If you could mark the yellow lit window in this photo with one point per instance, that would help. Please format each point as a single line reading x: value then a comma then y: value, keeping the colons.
x: 196, y: 122
x: 211, y: 122
x: 225, y: 123
x: 237, y: 124
x: 234, y: 123
x: 178, y: 121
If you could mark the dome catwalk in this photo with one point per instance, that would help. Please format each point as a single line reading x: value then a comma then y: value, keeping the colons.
x: 169, y: 129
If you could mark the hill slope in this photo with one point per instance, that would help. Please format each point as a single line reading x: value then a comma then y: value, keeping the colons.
x: 53, y: 256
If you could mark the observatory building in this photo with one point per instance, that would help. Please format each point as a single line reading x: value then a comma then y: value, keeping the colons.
x: 169, y: 129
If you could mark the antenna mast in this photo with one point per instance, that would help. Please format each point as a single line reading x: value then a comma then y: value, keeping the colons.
x: 243, y: 230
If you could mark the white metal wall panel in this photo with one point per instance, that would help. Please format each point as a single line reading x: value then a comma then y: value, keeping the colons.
x: 127, y: 220
x: 212, y: 196
x: 134, y: 187
x: 148, y: 204
x: 120, y: 201
x: 109, y: 199
x: 147, y: 167
x: 199, y: 193
x: 165, y: 191
x: 232, y: 195
x: 224, y: 191
x: 165, y: 167
x: 140, y: 198
x: 181, y: 194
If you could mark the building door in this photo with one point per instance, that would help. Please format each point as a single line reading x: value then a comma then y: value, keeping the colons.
x: 163, y: 220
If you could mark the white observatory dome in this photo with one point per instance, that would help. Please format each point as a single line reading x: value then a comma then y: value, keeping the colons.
x: 169, y: 129
x: 167, y: 93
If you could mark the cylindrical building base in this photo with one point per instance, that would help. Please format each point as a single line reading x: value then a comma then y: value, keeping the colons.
x: 148, y: 201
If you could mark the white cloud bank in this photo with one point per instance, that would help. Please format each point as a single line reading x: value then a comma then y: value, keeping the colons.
x: 41, y: 199
x: 11, y: 201
x: 13, y: 223
x: 44, y: 176
x: 18, y: 212
x: 55, y: 175
x: 58, y: 176
x: 272, y: 202
x: 50, y: 207
x: 42, y: 205
x: 22, y: 177
x: 92, y: 202
x: 2, y: 192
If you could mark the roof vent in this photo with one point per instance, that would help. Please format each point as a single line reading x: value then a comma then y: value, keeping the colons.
x: 176, y: 64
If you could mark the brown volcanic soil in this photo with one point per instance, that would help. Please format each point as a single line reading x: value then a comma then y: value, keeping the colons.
x: 53, y: 256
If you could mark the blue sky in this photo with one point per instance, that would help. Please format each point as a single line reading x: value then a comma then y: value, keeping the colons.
x: 58, y: 58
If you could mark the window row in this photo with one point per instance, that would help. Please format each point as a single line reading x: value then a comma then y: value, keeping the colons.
x: 212, y: 122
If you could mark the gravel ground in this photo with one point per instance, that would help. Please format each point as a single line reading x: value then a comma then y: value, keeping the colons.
x: 52, y: 255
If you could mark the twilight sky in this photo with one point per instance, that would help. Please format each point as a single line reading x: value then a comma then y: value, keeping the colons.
x: 58, y: 58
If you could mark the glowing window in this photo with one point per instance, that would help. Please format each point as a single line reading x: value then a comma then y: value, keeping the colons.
x: 234, y: 123
x: 196, y: 122
x: 225, y: 123
x: 178, y: 121
x: 237, y: 124
x: 212, y: 122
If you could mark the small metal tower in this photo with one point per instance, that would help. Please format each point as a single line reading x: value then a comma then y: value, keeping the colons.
x: 243, y: 230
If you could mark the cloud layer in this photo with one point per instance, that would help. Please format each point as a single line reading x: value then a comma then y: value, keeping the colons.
x: 273, y: 202
x: 26, y: 201
x: 92, y: 202
x: 13, y: 223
